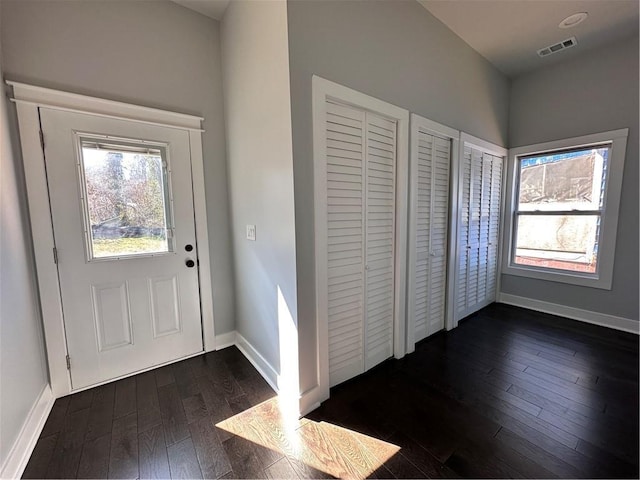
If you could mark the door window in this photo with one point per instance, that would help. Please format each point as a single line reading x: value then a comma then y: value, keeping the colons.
x: 126, y: 198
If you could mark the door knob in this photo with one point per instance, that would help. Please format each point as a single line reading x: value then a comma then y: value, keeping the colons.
x: 190, y: 263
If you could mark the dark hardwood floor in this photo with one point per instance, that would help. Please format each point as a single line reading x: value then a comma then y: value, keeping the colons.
x: 509, y: 393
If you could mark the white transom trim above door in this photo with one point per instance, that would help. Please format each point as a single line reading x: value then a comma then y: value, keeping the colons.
x: 116, y: 332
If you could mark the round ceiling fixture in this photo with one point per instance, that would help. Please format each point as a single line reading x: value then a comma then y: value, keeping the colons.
x: 573, y: 20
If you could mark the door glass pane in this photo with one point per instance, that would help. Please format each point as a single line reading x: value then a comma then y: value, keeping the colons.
x: 126, y: 200
x: 565, y: 242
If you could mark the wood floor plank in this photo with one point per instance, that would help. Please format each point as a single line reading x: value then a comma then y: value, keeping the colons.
x: 55, y: 421
x: 185, y: 379
x: 539, y: 455
x: 123, y: 459
x: 147, y: 402
x: 152, y: 453
x: 244, y: 460
x: 212, y: 457
x: 41, y: 456
x: 612, y: 465
x: 183, y: 461
x: 280, y: 469
x: 218, y: 371
x: 401, y: 467
x: 421, y: 458
x: 66, y: 456
x: 94, y: 462
x: 308, y: 472
x: 164, y: 376
x: 125, y: 400
x: 624, y: 446
x: 174, y: 420
x: 101, y: 412
x: 239, y: 404
x: 195, y: 408
x: 80, y: 401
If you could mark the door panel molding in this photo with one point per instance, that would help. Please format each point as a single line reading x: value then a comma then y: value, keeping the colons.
x: 28, y: 100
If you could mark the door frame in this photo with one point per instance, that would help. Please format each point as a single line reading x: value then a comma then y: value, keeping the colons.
x: 422, y: 124
x: 323, y: 90
x: 28, y: 100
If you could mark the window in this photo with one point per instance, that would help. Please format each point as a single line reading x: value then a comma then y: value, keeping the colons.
x: 126, y: 199
x: 564, y: 207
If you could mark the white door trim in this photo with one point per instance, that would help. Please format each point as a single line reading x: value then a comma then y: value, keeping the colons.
x: 28, y: 100
x: 323, y: 89
x: 421, y: 124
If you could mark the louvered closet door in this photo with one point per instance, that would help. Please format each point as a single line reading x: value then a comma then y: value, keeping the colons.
x: 494, y: 224
x: 345, y: 163
x: 361, y: 164
x: 431, y: 218
x: 380, y: 233
x: 478, y: 230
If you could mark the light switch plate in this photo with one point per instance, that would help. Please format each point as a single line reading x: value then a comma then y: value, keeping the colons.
x: 251, y: 232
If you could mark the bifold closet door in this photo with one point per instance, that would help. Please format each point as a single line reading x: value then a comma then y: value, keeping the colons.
x: 478, y: 230
x: 360, y: 168
x: 431, y: 165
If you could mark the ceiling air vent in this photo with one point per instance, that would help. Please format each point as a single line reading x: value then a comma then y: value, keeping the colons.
x: 570, y: 42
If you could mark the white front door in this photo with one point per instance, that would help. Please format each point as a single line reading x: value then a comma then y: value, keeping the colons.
x: 123, y: 220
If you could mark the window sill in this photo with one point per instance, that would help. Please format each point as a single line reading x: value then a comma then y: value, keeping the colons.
x: 573, y: 278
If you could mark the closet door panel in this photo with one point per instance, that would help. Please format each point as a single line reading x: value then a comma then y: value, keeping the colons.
x: 478, y: 230
x: 345, y: 130
x: 380, y: 233
x: 463, y: 232
x: 494, y: 225
x: 424, y: 172
x: 431, y: 217
x: 438, y: 235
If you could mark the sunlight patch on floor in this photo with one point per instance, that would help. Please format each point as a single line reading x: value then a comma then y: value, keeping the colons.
x: 335, y: 450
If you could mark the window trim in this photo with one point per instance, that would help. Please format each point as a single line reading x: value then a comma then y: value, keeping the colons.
x: 603, y: 278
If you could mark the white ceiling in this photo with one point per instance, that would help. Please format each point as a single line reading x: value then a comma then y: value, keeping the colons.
x: 509, y: 33
x: 210, y: 8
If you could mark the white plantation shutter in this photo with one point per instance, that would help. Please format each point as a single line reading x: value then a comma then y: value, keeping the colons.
x: 345, y: 244
x: 478, y: 230
x: 380, y: 233
x: 360, y: 169
x: 431, y: 219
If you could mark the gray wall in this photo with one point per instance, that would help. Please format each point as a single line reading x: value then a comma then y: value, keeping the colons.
x: 259, y: 153
x: 395, y: 51
x: 155, y: 54
x: 593, y: 93
x: 23, y: 371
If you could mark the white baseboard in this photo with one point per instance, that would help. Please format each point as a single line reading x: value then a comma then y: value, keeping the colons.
x: 602, y: 319
x: 225, y: 340
x: 257, y: 360
x: 310, y: 400
x: 21, y: 450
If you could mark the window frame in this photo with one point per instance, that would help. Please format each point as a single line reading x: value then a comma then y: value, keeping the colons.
x: 603, y: 277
